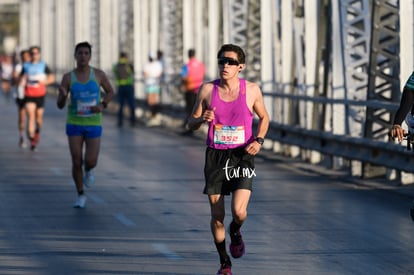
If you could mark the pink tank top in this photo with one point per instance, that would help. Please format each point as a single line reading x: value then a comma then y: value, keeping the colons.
x: 232, y: 125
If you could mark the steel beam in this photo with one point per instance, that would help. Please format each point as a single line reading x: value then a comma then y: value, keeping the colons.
x: 384, y: 69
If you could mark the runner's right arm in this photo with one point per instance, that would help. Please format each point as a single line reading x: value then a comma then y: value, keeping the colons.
x: 63, y: 91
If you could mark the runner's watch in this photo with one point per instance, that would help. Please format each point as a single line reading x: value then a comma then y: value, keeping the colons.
x: 260, y: 140
x: 104, y: 104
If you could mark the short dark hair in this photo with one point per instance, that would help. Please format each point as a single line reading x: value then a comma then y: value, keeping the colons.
x: 191, y: 53
x: 34, y: 48
x: 84, y: 44
x: 241, y: 57
x: 123, y: 55
x: 23, y: 52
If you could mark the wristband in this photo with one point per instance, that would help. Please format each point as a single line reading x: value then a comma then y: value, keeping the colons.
x: 104, y: 104
x: 260, y: 140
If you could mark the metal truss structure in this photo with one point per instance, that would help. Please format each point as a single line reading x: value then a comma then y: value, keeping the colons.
x: 383, y: 73
x: 244, y: 30
x: 356, y: 33
x: 253, y: 41
x: 171, y: 44
x: 171, y: 33
x: 384, y: 69
x: 126, y: 26
x: 95, y: 28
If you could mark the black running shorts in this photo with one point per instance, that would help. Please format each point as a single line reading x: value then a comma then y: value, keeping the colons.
x: 20, y: 103
x: 228, y: 170
x: 39, y: 100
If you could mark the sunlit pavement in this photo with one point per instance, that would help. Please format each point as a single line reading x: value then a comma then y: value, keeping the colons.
x: 146, y: 213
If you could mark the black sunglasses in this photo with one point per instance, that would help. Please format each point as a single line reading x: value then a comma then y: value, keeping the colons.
x: 228, y: 61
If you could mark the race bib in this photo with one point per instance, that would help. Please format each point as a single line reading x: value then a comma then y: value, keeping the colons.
x: 228, y: 134
x: 84, y: 107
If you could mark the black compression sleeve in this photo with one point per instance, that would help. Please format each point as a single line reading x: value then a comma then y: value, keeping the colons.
x: 407, y: 100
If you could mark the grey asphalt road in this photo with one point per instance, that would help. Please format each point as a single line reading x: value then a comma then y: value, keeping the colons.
x: 146, y: 213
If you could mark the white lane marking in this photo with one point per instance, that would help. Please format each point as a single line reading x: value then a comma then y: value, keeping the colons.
x: 166, y: 252
x: 96, y: 199
x: 124, y: 220
x: 56, y: 171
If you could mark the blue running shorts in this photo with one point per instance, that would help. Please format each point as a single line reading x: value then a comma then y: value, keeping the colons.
x: 84, y: 131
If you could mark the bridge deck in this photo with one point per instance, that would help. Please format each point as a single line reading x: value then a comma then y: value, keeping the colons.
x: 147, y: 215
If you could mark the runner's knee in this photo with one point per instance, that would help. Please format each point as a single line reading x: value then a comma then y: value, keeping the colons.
x: 240, y: 215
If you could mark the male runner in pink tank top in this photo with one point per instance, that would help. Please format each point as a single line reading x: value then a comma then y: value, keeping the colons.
x: 227, y: 105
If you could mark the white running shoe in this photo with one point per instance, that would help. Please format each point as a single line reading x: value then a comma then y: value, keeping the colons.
x: 22, y: 144
x: 153, y: 122
x: 80, y: 202
x: 89, y: 179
